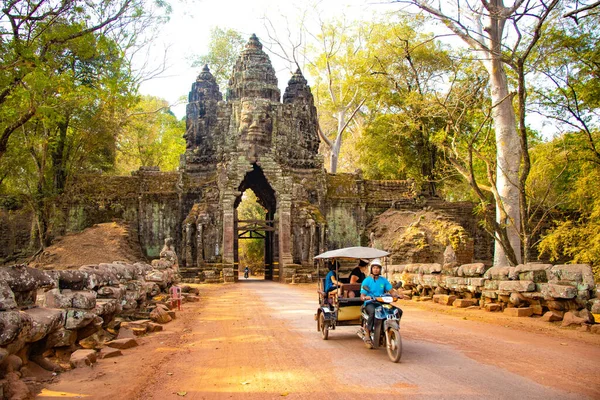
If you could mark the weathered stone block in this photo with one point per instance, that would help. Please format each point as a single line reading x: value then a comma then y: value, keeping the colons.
x: 570, y: 319
x: 44, y: 321
x: 55, y: 299
x: 519, y: 312
x: 471, y: 270
x: 122, y: 344
x: 61, y: 338
x: 84, y: 300
x: 160, y: 316
x: 444, y: 299
x: 464, y: 303
x: 493, y: 307
x: 499, y: 273
x: 553, y: 316
x: 476, y: 281
x: 77, y: 319
x: 430, y: 281
x: 490, y: 284
x: 578, y: 273
x: 7, y: 297
x: 82, y: 358
x: 516, y: 286
x: 13, y: 324
x: 535, y: 276
x: 550, y: 290
x: 489, y: 294
x: 109, y: 353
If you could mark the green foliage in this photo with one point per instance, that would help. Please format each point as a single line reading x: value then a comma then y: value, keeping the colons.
x: 251, y: 251
x: 151, y: 136
x: 223, y: 50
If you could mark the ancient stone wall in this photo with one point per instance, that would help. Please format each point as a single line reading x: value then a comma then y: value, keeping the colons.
x: 47, y: 313
x: 565, y: 293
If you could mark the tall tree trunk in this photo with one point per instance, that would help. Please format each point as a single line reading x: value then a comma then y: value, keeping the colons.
x: 508, y: 146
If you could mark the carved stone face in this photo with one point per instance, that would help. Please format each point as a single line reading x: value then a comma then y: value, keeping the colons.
x: 256, y: 124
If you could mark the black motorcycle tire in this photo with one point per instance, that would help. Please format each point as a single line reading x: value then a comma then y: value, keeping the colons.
x: 323, y: 328
x: 394, y: 347
x: 377, y: 333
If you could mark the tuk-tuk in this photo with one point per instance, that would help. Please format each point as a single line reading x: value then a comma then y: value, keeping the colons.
x: 343, y: 306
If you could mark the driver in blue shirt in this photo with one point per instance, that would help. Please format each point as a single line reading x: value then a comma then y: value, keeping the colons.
x: 373, y: 286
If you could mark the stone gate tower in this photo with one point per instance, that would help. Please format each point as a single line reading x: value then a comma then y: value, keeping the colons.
x: 252, y: 140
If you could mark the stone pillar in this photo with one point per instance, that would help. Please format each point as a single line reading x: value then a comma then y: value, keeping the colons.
x: 285, y: 230
x: 228, y: 226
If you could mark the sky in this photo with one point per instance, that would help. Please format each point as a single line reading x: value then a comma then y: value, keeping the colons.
x: 187, y: 34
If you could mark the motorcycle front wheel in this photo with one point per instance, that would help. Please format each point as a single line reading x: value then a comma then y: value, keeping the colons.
x: 394, y: 345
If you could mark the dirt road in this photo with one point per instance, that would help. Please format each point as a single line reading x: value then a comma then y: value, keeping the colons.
x: 258, y: 340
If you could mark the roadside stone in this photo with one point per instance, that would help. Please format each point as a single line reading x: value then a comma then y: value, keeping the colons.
x: 471, y: 270
x: 519, y: 312
x: 489, y: 294
x: 61, y: 338
x: 122, y: 344
x: 578, y: 273
x: 13, y: 363
x: 82, y: 358
x: 557, y: 305
x: 464, y: 303
x: 537, y: 309
x: 173, y: 314
x: 444, y: 299
x: 516, y: 286
x: 552, y: 316
x: 555, y: 291
x: 595, y: 329
x: 7, y: 297
x: 498, y: 273
x: 109, y: 353
x: 493, y: 307
x: 160, y: 316
x: 77, y: 319
x: 84, y: 300
x: 95, y: 341
x: 571, y: 319
x: 152, y: 327
x: 55, y: 299
x: 125, y: 333
x: 586, y: 315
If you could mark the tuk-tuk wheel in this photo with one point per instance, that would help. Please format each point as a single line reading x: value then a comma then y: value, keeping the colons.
x: 323, y: 327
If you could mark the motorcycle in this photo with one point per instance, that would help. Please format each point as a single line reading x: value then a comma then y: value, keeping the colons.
x: 246, y: 273
x: 386, y: 330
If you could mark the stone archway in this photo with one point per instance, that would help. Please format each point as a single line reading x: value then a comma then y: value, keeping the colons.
x: 258, y: 183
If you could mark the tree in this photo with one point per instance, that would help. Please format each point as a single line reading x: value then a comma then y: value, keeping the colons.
x: 405, y: 75
x: 483, y: 27
x: 151, y: 136
x: 337, y: 67
x: 32, y: 32
x: 65, y: 80
x: 224, y: 48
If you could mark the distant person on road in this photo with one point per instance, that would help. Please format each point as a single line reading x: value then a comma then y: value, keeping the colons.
x: 246, y: 272
x: 373, y: 286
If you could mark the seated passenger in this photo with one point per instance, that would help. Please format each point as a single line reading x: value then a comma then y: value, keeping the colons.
x: 331, y: 281
x: 358, y: 274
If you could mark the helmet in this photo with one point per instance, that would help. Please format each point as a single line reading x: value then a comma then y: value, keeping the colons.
x: 375, y: 262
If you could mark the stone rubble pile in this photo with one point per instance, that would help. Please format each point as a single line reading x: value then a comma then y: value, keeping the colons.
x: 564, y: 293
x: 71, y: 315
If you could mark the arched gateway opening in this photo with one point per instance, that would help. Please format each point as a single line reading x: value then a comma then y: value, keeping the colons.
x: 259, y: 227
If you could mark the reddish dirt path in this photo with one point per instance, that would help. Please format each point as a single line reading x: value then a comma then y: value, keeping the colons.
x: 258, y: 340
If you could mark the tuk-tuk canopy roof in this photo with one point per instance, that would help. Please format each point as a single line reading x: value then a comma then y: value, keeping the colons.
x: 354, y: 252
